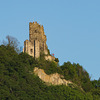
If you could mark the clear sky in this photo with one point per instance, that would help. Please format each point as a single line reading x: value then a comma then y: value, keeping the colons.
x: 72, y: 28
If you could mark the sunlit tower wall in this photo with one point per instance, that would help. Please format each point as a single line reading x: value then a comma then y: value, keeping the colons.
x: 37, y: 41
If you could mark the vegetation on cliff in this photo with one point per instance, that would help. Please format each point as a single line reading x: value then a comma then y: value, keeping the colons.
x: 18, y: 82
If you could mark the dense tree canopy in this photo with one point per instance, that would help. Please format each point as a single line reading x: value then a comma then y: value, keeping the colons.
x: 18, y: 82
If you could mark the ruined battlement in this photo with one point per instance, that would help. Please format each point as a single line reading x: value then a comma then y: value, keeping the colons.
x: 36, y: 32
x: 36, y: 28
x: 37, y: 41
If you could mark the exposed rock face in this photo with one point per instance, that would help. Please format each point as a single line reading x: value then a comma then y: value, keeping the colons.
x: 37, y: 42
x: 54, y: 79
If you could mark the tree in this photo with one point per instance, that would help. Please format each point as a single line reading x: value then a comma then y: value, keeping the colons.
x: 56, y: 59
x: 12, y: 42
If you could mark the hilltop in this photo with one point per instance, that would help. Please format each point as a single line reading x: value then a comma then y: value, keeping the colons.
x: 18, y: 81
x: 35, y: 74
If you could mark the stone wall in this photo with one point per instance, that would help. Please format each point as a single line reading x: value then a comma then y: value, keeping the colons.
x: 50, y: 58
x: 28, y: 48
x: 37, y: 49
x: 37, y: 42
x: 54, y: 79
x: 36, y: 32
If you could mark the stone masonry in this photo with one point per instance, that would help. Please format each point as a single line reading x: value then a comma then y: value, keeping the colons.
x: 37, y: 42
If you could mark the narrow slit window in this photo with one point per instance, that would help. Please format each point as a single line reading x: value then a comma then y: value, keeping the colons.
x: 31, y: 51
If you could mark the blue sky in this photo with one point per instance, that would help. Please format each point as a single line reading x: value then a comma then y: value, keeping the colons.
x: 72, y: 28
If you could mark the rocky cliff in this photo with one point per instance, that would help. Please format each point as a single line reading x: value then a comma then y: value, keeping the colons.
x: 54, y: 79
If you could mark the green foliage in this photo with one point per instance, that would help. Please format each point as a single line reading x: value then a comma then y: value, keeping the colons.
x: 17, y: 81
x: 56, y: 60
x: 77, y: 74
x: 96, y: 83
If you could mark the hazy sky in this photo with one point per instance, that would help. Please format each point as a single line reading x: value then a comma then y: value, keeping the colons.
x: 72, y: 28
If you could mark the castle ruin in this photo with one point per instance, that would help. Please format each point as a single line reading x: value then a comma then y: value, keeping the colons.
x: 37, y: 42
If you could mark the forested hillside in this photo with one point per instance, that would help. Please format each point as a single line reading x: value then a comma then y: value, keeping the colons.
x: 18, y: 82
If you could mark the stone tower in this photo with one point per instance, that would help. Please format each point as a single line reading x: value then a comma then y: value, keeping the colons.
x: 37, y: 42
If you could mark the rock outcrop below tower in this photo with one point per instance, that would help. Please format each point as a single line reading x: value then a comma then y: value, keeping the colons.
x: 37, y: 42
x: 54, y: 79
